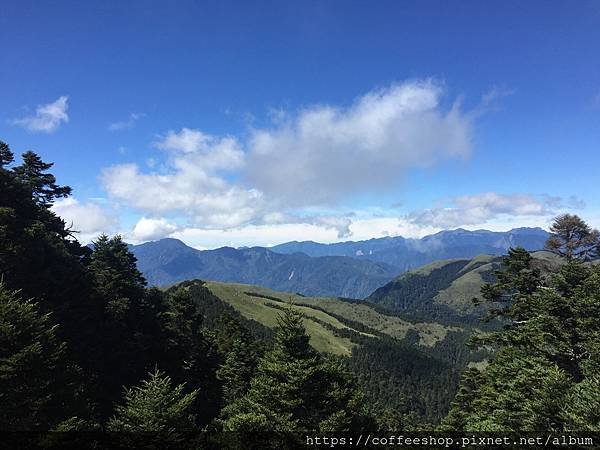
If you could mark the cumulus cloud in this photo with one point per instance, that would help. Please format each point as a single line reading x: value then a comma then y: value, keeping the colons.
x: 194, y: 184
x: 273, y: 233
x: 253, y: 235
x: 326, y: 153
x: 481, y: 208
x: 187, y: 140
x: 125, y: 124
x: 47, y: 118
x: 89, y: 219
x: 341, y: 224
x: 148, y: 229
x: 315, y: 157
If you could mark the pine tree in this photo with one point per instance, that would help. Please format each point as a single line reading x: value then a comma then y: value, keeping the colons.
x: 573, y: 238
x: 129, y: 336
x: 157, y: 411
x: 6, y: 156
x: 32, y: 366
x: 116, y: 274
x: 237, y: 370
x: 33, y: 240
x: 43, y: 187
x: 190, y: 355
x: 581, y: 408
x: 545, y: 372
x: 295, y: 389
x: 239, y: 354
x: 463, y: 404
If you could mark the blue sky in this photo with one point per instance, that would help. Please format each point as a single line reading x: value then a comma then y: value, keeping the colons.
x: 254, y: 123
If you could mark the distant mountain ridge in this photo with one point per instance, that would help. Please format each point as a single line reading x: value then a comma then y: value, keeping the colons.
x: 169, y: 261
x: 406, y: 254
x: 345, y: 269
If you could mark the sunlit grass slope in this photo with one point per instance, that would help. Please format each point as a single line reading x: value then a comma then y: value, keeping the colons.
x: 327, y: 332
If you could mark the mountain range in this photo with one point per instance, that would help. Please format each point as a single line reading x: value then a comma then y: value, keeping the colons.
x: 406, y: 254
x: 346, y: 269
x: 169, y: 261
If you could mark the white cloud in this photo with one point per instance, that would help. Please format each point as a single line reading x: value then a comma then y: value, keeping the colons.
x: 194, y: 184
x: 47, y: 117
x: 270, y: 234
x: 125, y: 124
x: 253, y: 235
x: 341, y: 224
x: 187, y: 140
x: 315, y: 157
x: 276, y: 227
x: 325, y: 153
x: 482, y: 208
x: 367, y: 228
x: 89, y: 219
x: 147, y: 229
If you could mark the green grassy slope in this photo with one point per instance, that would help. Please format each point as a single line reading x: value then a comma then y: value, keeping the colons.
x: 408, y: 366
x: 324, y: 316
x: 262, y: 311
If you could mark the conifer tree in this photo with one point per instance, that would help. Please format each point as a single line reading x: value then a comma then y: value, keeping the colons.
x: 239, y: 357
x: 116, y: 274
x: 32, y: 366
x: 295, y: 388
x: 544, y: 376
x: 6, y: 156
x: 237, y: 370
x: 33, y: 240
x: 190, y: 355
x: 32, y: 173
x: 130, y: 339
x: 573, y: 238
x: 155, y: 411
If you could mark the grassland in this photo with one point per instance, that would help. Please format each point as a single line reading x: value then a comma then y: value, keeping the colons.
x: 459, y: 294
x: 321, y: 316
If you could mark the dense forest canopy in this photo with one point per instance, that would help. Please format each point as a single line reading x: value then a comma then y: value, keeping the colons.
x: 85, y: 345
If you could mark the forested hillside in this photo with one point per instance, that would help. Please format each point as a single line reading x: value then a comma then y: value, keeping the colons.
x: 444, y: 290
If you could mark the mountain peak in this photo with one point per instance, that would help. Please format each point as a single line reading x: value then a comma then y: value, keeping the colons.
x: 171, y: 241
x: 528, y: 230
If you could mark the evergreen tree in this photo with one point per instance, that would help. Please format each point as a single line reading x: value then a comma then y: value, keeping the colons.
x: 130, y: 338
x: 155, y: 411
x: 239, y: 357
x: 116, y: 274
x: 190, y: 354
x: 295, y: 388
x: 42, y: 185
x: 6, y: 156
x: 237, y: 370
x: 545, y: 373
x: 573, y: 238
x: 581, y: 408
x: 33, y: 367
x: 33, y: 240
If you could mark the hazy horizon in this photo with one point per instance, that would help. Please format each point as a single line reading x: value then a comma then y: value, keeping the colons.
x: 133, y: 242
